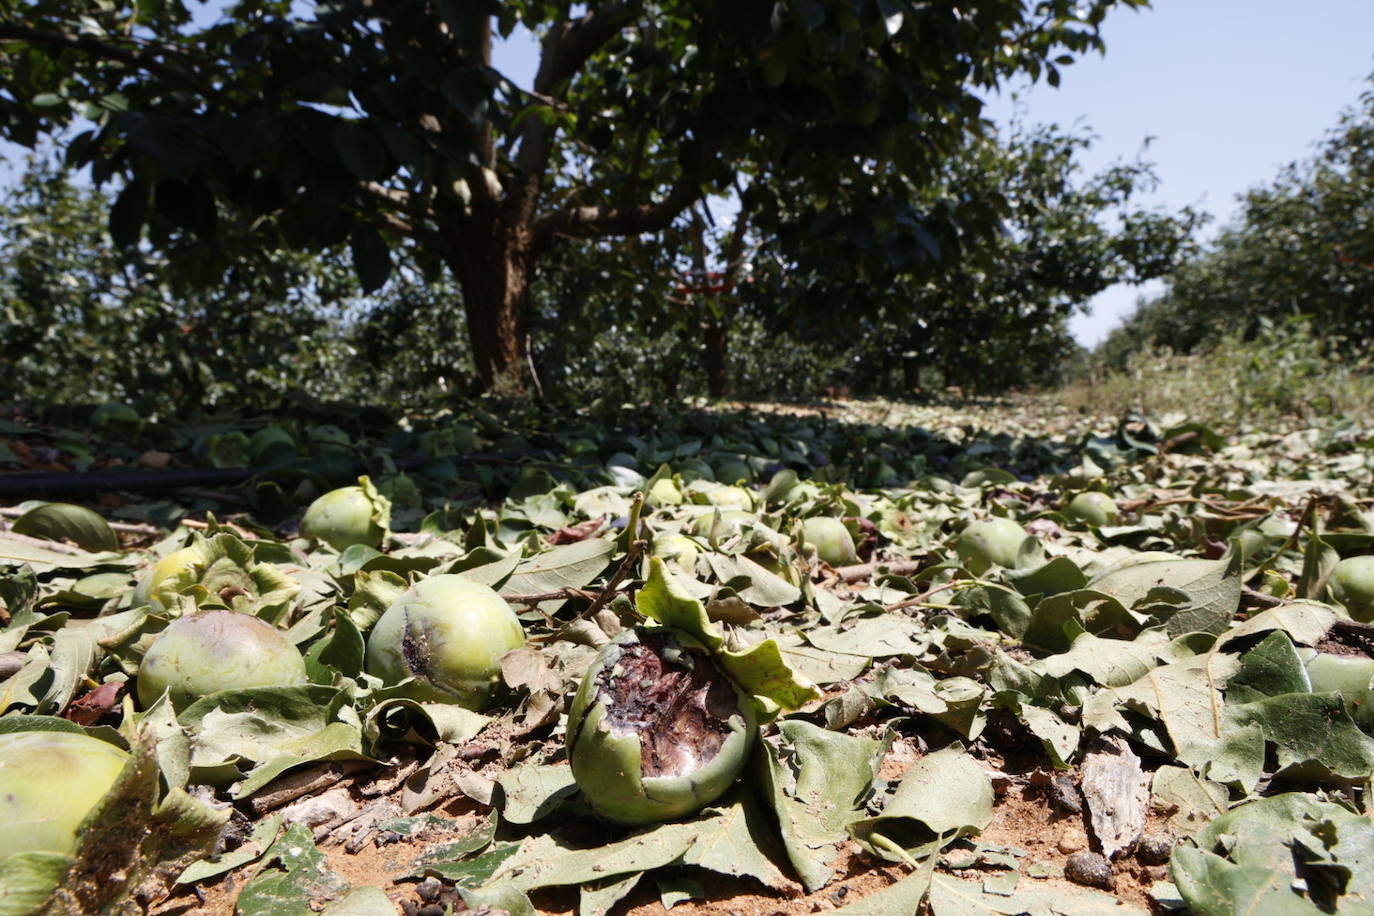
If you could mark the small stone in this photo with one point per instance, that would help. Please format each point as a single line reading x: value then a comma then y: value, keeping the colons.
x: 408, y: 908
x: 428, y: 890
x: 1073, y: 839
x: 1089, y: 869
x: 430, y: 909
x: 1154, y: 849
x: 1156, y: 872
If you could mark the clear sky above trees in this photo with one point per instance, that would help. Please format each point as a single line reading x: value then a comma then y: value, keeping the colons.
x: 1230, y: 90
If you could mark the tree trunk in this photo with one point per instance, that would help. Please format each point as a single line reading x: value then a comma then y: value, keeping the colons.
x: 493, y: 272
x: 717, y: 378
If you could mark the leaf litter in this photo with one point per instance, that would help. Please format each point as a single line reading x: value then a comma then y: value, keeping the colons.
x: 1137, y: 691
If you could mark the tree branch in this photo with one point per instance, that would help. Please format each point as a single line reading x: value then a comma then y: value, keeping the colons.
x: 566, y: 48
x: 89, y: 44
x: 593, y: 222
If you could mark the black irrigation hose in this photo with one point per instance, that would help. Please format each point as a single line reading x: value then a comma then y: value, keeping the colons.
x: 26, y: 484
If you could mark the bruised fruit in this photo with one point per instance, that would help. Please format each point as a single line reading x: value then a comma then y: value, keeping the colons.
x: 448, y: 633
x: 1352, y: 584
x: 348, y: 516
x: 832, y: 540
x: 988, y: 543
x: 216, y: 650
x: 49, y: 782
x: 1092, y: 508
x: 657, y: 731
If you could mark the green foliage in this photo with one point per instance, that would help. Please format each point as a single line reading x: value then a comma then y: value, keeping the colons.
x: 359, y: 125
x: 1302, y: 246
x: 81, y: 320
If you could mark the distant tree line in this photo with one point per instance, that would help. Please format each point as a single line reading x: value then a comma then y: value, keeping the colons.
x: 1301, y: 249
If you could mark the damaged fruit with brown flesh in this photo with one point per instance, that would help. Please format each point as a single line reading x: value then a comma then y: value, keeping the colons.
x: 657, y: 731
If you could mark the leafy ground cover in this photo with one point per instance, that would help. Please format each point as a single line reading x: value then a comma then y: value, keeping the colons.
x: 1150, y: 700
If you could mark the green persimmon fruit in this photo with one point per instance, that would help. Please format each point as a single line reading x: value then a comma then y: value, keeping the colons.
x: 665, y: 493
x: 731, y: 521
x: 1096, y: 509
x: 832, y: 540
x: 734, y: 471
x: 730, y: 498
x: 49, y: 782
x: 1350, y: 676
x: 677, y: 547
x: 990, y: 542
x: 657, y: 731
x: 448, y: 633
x: 205, y: 653
x: 348, y: 516
x: 1352, y: 585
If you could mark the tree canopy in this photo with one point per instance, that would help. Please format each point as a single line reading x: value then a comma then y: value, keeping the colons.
x: 374, y: 123
x: 1301, y: 247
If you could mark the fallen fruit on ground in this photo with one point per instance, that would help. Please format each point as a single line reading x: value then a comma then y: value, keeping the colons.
x: 213, y: 651
x: 657, y: 731
x: 1093, y: 508
x: 831, y: 539
x: 448, y: 633
x: 1352, y: 584
x: 1349, y: 676
x: 49, y: 782
x: 990, y: 542
x: 348, y: 516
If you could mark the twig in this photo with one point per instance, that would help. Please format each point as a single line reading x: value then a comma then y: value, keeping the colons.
x: 920, y: 599
x: 562, y: 594
x: 1260, y: 599
x: 289, y: 788
x: 201, y: 526
x: 54, y: 546
x: 631, y: 557
x: 866, y: 570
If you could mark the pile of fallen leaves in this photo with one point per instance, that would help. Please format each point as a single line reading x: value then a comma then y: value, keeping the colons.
x: 1118, y: 716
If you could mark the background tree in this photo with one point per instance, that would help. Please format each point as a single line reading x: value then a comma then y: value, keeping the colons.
x: 366, y: 122
x: 1301, y: 246
x: 982, y: 311
x: 82, y: 320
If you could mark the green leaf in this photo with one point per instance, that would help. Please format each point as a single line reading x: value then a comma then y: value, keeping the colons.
x: 1319, y: 561
x: 945, y: 795
x: 360, y: 149
x: 533, y: 791
x: 663, y: 600
x: 371, y: 257
x: 762, y: 671
x: 547, y: 861
x: 303, y: 878
x: 736, y: 840
x: 566, y: 566
x: 1310, y: 728
x: 815, y: 781
x: 599, y: 897
x: 1058, y: 575
x: 1268, y: 670
x: 955, y: 897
